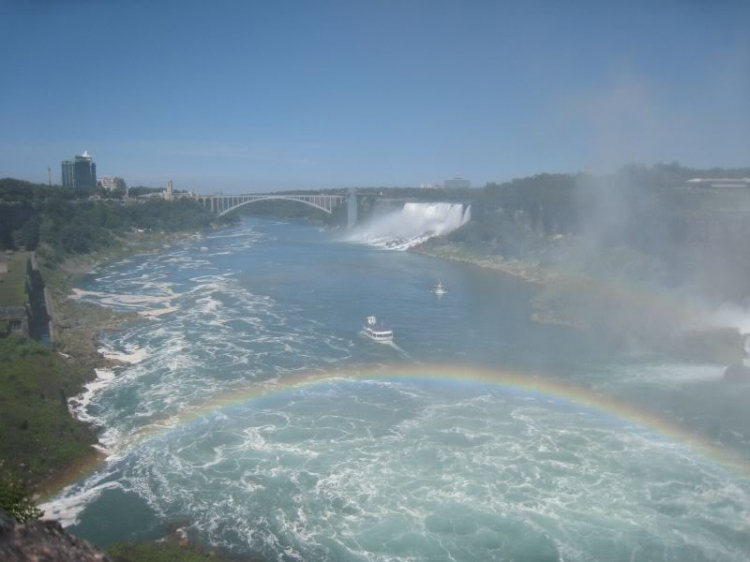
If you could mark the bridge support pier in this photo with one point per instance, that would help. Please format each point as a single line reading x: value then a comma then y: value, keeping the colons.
x: 351, y: 209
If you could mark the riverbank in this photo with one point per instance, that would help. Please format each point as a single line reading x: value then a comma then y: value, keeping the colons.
x: 39, y: 438
x: 634, y: 316
x: 76, y: 325
x: 530, y: 273
x: 41, y: 442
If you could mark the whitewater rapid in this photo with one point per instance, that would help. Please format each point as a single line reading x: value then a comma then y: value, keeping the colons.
x: 382, y: 470
x: 411, y: 225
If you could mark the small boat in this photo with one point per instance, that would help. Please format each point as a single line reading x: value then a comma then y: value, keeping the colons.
x: 376, y: 331
x: 439, y: 289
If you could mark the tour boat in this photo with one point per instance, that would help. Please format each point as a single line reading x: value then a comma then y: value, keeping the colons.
x: 439, y: 289
x: 376, y: 331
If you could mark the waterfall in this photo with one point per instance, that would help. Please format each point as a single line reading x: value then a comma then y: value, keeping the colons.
x: 413, y: 224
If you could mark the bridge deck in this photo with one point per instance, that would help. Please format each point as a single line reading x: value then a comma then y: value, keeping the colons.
x: 223, y: 204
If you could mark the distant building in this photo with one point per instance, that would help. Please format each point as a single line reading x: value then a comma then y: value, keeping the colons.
x: 720, y: 183
x: 168, y: 192
x: 112, y: 183
x: 457, y: 183
x: 151, y: 195
x: 79, y: 172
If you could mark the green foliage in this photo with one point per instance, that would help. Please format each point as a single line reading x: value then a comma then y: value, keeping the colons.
x: 67, y: 221
x: 547, y: 201
x: 28, y: 235
x: 156, y: 552
x: 38, y: 436
x: 15, y: 498
x: 441, y: 194
x: 643, y: 223
x: 13, y: 285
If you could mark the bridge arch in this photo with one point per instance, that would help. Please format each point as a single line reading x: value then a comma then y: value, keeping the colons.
x: 305, y: 200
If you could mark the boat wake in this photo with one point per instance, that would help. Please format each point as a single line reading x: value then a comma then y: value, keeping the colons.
x: 401, y: 350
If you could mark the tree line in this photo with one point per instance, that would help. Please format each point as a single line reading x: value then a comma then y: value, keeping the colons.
x: 693, y: 233
x: 71, y: 222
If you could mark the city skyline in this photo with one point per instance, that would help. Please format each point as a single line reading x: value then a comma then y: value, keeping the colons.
x: 258, y: 96
x: 80, y: 172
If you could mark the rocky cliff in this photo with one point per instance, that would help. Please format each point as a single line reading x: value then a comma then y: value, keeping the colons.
x: 43, y: 541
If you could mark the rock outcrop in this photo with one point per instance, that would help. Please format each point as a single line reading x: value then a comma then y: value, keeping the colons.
x: 42, y: 541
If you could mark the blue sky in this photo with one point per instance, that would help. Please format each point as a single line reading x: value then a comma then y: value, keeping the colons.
x: 252, y: 95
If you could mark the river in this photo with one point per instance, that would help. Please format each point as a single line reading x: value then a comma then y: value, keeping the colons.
x: 252, y: 416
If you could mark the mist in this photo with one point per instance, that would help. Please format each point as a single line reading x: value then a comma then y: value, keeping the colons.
x: 410, y: 225
x: 232, y: 327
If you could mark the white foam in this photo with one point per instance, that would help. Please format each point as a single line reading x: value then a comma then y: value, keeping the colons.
x: 135, y: 355
x: 156, y: 312
x: 120, y: 300
x: 734, y: 316
x: 410, y: 226
x: 66, y: 507
x: 78, y: 404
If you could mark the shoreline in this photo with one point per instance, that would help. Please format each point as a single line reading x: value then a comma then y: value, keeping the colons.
x: 530, y: 274
x: 77, y: 324
x: 77, y: 327
x: 57, y: 482
x: 628, y: 315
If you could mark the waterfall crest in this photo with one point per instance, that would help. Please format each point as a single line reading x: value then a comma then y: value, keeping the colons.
x: 413, y: 224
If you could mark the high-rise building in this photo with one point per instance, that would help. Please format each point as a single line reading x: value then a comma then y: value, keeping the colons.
x: 79, y: 172
x: 168, y: 192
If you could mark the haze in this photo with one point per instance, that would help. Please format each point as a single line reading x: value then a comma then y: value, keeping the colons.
x: 251, y: 96
x: 348, y: 281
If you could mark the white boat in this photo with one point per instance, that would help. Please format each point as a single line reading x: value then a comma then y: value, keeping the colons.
x: 439, y: 289
x: 377, y: 331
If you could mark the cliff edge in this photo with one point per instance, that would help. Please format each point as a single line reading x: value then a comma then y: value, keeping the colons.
x: 43, y: 541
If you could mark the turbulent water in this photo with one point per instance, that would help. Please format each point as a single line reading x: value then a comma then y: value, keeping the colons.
x: 411, y: 225
x: 375, y: 468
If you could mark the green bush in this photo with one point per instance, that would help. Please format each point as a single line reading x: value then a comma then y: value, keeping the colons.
x: 67, y: 221
x: 156, y: 552
x: 15, y: 498
x: 38, y: 436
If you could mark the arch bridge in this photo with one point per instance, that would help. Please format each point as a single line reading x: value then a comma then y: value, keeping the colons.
x: 223, y: 204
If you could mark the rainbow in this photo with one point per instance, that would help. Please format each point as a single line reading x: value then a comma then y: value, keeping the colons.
x: 559, y: 391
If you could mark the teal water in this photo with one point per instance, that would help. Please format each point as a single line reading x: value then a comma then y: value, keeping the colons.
x: 387, y: 469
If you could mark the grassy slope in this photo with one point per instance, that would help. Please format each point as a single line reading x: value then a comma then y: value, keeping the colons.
x: 38, y: 436
x: 13, y: 283
x: 39, y: 439
x: 157, y: 552
x: 40, y: 442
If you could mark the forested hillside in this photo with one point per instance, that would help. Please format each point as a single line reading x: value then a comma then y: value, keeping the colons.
x: 646, y: 223
x: 69, y: 221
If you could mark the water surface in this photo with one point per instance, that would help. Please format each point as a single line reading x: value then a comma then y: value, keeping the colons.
x: 379, y: 469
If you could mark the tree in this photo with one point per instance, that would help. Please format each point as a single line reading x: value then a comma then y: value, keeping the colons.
x: 28, y: 235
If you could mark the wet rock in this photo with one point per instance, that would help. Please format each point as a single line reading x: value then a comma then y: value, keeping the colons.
x: 43, y: 541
